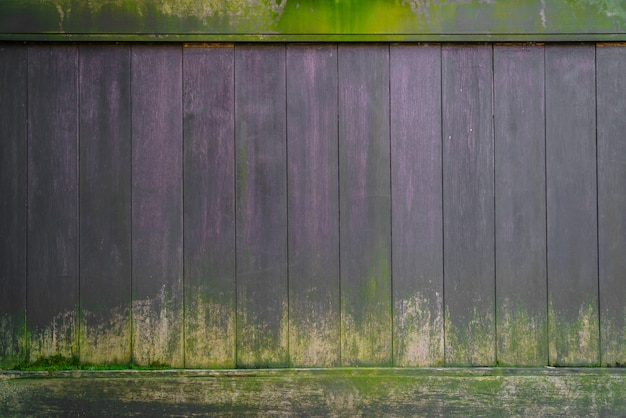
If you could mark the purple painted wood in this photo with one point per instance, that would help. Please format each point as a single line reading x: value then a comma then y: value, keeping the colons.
x: 157, y: 222
x: 468, y: 205
x: 105, y: 211
x: 52, y: 296
x: 611, y: 84
x: 520, y: 184
x: 209, y: 207
x: 417, y: 240
x: 572, y: 205
x: 313, y: 202
x: 13, y: 188
x: 365, y: 204
x: 261, y: 206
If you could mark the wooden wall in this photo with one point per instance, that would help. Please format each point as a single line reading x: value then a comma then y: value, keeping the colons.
x: 300, y: 205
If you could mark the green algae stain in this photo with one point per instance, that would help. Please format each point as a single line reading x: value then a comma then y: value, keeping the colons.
x: 418, y: 331
x: 314, y: 338
x: 471, y: 343
x: 522, y: 336
x: 58, y: 338
x: 12, y: 340
x: 209, y: 330
x: 574, y: 342
x: 613, y: 339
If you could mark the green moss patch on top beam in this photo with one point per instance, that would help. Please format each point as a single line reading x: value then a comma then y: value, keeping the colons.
x: 212, y: 19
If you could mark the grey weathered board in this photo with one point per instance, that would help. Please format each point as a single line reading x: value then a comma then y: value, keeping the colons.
x: 157, y: 197
x: 611, y: 85
x: 520, y: 211
x: 105, y: 194
x: 313, y: 206
x: 571, y: 205
x: 13, y: 188
x: 52, y: 294
x: 365, y: 205
x: 209, y: 206
x: 468, y: 205
x: 417, y: 240
x: 261, y: 206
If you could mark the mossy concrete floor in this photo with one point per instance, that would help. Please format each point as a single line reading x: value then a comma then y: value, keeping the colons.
x: 316, y: 392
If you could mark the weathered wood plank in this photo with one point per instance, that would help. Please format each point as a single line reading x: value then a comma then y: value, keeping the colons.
x: 417, y: 240
x: 13, y: 189
x: 571, y: 205
x: 157, y: 229
x: 313, y: 206
x: 468, y: 205
x: 365, y: 205
x: 261, y: 206
x: 611, y: 85
x: 520, y: 211
x: 209, y: 207
x: 52, y: 289
x: 105, y: 211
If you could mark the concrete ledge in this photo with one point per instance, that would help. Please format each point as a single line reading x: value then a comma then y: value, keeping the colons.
x: 316, y: 392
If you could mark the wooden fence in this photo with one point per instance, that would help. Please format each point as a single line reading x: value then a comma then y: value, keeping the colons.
x: 299, y: 205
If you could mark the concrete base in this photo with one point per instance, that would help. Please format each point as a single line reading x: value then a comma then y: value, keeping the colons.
x: 316, y: 392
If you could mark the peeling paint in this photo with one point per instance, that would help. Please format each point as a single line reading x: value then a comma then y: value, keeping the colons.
x: 418, y: 339
x: 105, y: 338
x: 574, y: 342
x: 522, y: 336
x: 209, y: 331
x: 157, y: 331
x: 473, y: 344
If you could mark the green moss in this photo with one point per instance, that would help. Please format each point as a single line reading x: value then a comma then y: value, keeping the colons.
x: 522, y: 336
x: 58, y: 362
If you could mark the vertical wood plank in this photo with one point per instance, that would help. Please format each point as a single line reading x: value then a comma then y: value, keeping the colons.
x: 365, y: 205
x: 261, y: 206
x: 157, y: 242
x: 571, y: 205
x: 521, y: 282
x: 468, y: 198
x: 209, y: 207
x: 417, y: 240
x: 52, y: 295
x: 105, y: 211
x: 313, y: 206
x: 611, y: 84
x: 13, y: 187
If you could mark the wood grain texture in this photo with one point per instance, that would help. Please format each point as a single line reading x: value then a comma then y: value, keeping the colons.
x: 13, y: 189
x: 521, y: 282
x: 105, y: 197
x: 261, y: 206
x: 365, y: 205
x: 611, y: 85
x: 571, y: 205
x: 417, y: 241
x: 52, y: 297
x: 209, y: 207
x: 157, y: 215
x: 468, y: 206
x: 313, y: 203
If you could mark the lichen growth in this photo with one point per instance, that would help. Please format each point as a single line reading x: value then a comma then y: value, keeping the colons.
x: 314, y: 339
x: 157, y: 330
x: 418, y: 329
x: 209, y: 330
x: 522, y: 336
x: 574, y: 342
x: 613, y: 339
x: 60, y: 337
x: 105, y: 339
x: 473, y: 343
